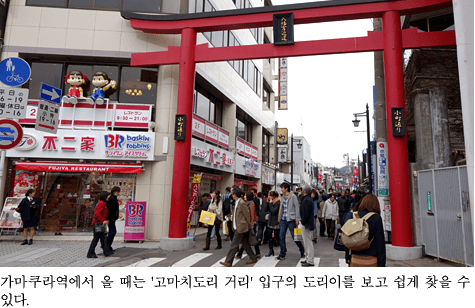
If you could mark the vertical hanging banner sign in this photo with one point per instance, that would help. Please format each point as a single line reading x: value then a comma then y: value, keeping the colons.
x: 283, y: 77
x: 397, y: 115
x: 282, y: 136
x: 135, y: 221
x: 382, y: 170
x: 180, y: 127
x: 195, y: 188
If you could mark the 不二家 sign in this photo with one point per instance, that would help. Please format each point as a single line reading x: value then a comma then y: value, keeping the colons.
x: 283, y: 29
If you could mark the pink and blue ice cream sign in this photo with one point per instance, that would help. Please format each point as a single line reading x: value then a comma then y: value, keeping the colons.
x: 135, y: 221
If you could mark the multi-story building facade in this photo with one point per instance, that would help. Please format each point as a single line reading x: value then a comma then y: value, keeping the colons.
x: 128, y: 141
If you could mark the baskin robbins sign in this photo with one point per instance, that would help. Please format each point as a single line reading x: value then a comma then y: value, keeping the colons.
x: 81, y: 144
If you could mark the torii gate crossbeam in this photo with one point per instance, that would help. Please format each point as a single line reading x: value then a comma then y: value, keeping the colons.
x: 392, y: 40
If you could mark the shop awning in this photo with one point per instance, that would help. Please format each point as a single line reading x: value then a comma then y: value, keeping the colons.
x: 78, y: 167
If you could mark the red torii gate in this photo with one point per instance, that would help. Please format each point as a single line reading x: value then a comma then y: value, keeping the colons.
x: 392, y: 40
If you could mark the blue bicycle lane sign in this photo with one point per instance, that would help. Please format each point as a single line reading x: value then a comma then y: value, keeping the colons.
x: 14, y: 71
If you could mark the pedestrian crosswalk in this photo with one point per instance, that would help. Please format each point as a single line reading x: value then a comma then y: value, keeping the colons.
x: 193, y: 259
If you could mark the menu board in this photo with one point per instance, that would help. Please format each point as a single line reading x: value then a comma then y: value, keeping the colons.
x: 9, y: 217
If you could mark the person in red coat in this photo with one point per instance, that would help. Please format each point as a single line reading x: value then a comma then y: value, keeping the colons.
x: 100, y: 216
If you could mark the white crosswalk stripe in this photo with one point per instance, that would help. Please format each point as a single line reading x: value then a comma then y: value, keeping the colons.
x: 343, y: 263
x: 196, y: 257
x: 191, y: 260
x: 267, y: 262
x: 235, y: 261
x: 146, y: 262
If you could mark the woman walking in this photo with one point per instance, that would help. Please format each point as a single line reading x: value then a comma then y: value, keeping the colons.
x: 273, y: 220
x: 100, y: 217
x: 249, y: 197
x: 28, y: 209
x: 216, y: 206
x: 375, y: 255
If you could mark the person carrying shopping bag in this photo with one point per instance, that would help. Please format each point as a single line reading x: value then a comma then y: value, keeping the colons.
x: 216, y: 207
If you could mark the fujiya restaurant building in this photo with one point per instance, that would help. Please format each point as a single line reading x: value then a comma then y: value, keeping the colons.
x: 132, y: 133
x: 82, y: 159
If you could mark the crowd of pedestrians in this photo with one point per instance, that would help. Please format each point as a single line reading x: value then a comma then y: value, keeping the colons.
x: 254, y: 219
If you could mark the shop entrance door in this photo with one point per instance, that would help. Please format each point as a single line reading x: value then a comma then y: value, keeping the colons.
x: 391, y: 41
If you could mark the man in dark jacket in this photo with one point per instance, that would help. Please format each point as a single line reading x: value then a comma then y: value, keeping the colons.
x: 112, y: 216
x: 262, y: 221
x: 343, y: 206
x: 308, y: 222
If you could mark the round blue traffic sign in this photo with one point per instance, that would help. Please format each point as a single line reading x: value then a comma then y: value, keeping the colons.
x: 14, y: 71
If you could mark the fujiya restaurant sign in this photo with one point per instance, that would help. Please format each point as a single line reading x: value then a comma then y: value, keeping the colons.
x: 198, y: 126
x: 207, y: 155
x: 79, y: 144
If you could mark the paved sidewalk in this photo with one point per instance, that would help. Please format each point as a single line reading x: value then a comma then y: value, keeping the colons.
x: 70, y: 249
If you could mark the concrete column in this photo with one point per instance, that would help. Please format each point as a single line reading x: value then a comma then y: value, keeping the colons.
x: 463, y: 13
x: 424, y: 145
x: 229, y: 119
x: 154, y: 184
x: 440, y: 127
x: 257, y: 141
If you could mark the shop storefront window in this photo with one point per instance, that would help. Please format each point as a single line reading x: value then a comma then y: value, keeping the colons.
x: 138, y: 85
x: 135, y: 85
x: 146, y: 6
x: 64, y: 195
x: 53, y: 3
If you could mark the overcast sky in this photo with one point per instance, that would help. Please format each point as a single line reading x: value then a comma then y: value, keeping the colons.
x: 325, y: 91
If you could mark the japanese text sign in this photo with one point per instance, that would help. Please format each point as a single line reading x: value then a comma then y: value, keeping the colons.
x: 180, y: 127
x: 195, y: 188
x: 397, y: 115
x: 13, y: 103
x: 47, y: 117
x: 282, y: 136
x: 283, y: 29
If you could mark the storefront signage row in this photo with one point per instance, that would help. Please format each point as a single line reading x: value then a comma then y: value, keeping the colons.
x: 210, y: 132
x: 248, y: 167
x: 74, y: 144
x: 268, y: 176
x: 207, y: 155
x: 246, y: 149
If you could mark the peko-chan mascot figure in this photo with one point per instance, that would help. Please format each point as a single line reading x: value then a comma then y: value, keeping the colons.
x: 75, y: 79
x: 102, y: 83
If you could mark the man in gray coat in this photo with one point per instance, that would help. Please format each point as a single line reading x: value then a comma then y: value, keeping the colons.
x: 289, y: 217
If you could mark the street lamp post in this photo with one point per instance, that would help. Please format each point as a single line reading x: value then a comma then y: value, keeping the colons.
x: 356, y: 123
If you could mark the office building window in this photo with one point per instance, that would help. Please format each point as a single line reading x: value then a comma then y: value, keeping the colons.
x: 266, y: 98
x: 49, y: 73
x: 207, y: 106
x: 265, y: 147
x: 243, y: 128
x: 144, y: 6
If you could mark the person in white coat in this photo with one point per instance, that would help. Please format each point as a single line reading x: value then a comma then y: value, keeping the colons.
x: 330, y: 213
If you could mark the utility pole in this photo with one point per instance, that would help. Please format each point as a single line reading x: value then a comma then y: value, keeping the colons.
x: 379, y: 111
